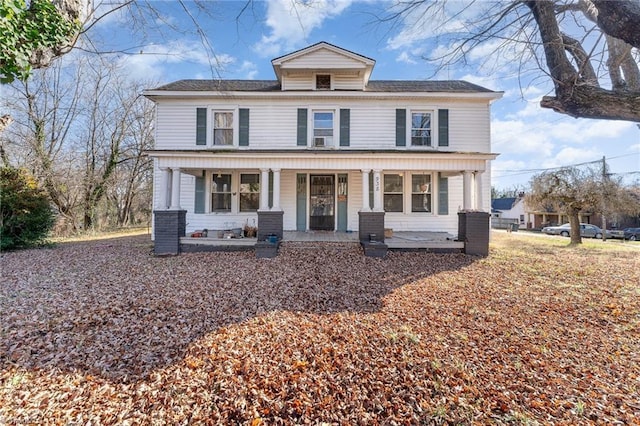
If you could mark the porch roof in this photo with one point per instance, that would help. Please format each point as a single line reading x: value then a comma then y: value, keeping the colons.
x: 314, y: 159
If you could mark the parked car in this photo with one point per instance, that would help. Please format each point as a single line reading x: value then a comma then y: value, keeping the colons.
x: 586, y: 230
x: 615, y: 233
x: 632, y: 234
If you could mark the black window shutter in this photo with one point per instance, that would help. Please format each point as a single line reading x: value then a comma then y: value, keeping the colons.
x: 302, y: 127
x: 201, y: 126
x: 243, y: 134
x: 401, y: 127
x: 443, y: 127
x: 199, y: 204
x: 270, y: 189
x: 345, y: 118
x: 443, y: 194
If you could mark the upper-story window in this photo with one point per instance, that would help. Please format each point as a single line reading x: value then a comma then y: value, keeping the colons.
x: 322, y: 128
x: 420, y: 129
x: 323, y: 82
x: 222, y: 128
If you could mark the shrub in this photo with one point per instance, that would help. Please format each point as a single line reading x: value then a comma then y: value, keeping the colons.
x: 26, y: 216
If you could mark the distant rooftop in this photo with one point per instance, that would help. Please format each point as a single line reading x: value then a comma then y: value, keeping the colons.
x: 502, y: 204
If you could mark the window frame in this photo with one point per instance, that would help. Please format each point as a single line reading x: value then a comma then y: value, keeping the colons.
x: 234, y: 110
x: 242, y: 192
x: 408, y: 130
x: 408, y: 192
x: 402, y: 176
x: 411, y: 129
x: 313, y: 128
x: 419, y: 191
x: 322, y: 75
x: 228, y: 193
x: 231, y: 129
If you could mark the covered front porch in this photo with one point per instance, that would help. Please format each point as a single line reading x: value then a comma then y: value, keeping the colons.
x: 316, y: 195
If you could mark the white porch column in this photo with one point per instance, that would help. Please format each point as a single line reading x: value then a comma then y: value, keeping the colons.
x: 175, y: 189
x: 377, y: 191
x: 479, y: 201
x: 466, y: 190
x: 276, y: 190
x: 365, y: 191
x: 264, y: 190
x: 163, y: 193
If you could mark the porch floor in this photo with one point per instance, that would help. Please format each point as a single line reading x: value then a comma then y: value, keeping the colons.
x: 400, y: 240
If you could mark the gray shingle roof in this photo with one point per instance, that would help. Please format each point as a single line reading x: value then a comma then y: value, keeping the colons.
x: 450, y: 86
x: 503, y: 203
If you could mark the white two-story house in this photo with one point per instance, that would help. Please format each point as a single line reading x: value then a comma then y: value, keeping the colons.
x: 321, y: 147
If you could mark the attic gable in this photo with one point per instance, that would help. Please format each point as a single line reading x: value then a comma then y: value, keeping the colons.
x: 321, y: 58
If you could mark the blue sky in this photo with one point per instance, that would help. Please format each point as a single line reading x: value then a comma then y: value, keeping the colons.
x: 527, y: 137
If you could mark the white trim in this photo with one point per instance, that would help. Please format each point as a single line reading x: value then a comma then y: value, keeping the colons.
x: 484, y: 96
x: 311, y: 126
x: 433, y: 129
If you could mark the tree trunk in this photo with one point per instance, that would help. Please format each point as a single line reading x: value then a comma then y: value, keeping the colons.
x: 620, y: 19
x: 575, y: 96
x: 574, y: 221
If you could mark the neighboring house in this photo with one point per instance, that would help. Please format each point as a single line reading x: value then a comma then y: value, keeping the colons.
x: 540, y: 219
x: 323, y: 147
x: 508, y: 210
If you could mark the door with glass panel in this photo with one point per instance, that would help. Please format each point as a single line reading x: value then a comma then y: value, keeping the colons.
x: 322, y: 202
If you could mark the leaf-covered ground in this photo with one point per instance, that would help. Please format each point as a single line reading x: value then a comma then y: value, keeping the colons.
x: 105, y: 333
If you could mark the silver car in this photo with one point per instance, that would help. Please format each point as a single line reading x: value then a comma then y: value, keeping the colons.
x: 586, y: 230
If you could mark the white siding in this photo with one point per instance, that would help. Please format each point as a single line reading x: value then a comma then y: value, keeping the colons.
x: 340, y: 81
x: 176, y: 125
x: 274, y: 124
x: 348, y: 82
x: 469, y: 128
x: 298, y: 82
x: 322, y: 59
x: 288, y: 199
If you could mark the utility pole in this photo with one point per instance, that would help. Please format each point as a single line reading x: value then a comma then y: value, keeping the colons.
x: 604, y: 198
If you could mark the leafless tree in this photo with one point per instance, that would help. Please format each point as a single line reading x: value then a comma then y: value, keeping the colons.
x: 575, y: 190
x: 75, y: 127
x: 588, y: 48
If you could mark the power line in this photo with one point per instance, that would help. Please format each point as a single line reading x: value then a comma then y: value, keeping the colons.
x: 513, y: 172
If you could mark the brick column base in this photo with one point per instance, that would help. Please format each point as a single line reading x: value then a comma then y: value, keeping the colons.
x: 370, y: 224
x: 473, y: 230
x: 270, y: 223
x: 169, y: 226
x: 371, y: 233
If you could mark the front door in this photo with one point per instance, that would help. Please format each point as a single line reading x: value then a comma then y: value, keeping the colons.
x: 322, y: 202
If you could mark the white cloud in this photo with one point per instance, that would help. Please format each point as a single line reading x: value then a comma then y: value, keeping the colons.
x: 485, y: 81
x: 152, y: 59
x: 519, y: 137
x: 405, y: 58
x: 424, y: 22
x: 571, y: 155
x: 291, y: 22
x: 248, y: 70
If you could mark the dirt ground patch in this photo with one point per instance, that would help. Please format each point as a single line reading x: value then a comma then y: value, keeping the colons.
x: 103, y: 332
